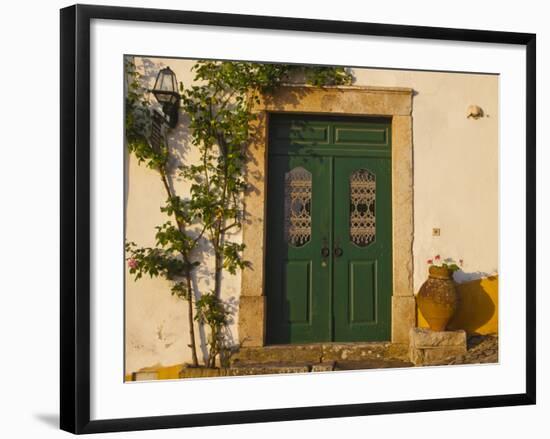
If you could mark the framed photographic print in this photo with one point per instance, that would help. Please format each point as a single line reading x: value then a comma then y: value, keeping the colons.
x: 285, y: 218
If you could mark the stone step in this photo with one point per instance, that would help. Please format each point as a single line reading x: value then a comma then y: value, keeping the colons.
x: 272, y: 368
x: 319, y: 353
x: 268, y: 369
x: 254, y: 369
x: 374, y: 363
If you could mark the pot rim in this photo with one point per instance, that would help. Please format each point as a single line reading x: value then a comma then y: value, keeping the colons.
x: 440, y: 272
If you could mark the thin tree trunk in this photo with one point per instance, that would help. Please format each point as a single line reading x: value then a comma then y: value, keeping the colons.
x: 213, y: 351
x: 218, y: 269
x: 191, y: 319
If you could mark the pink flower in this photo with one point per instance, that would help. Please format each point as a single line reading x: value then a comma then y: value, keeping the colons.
x: 429, y: 261
x: 132, y: 263
x: 437, y: 257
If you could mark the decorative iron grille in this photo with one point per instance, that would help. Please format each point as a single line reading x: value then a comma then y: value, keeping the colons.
x: 362, y: 207
x: 298, y: 206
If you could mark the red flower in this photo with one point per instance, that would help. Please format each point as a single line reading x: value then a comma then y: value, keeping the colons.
x: 132, y: 263
x: 437, y: 257
x: 429, y: 261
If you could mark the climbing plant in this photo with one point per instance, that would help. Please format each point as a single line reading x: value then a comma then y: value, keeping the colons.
x: 219, y: 107
x: 172, y: 256
x: 220, y: 115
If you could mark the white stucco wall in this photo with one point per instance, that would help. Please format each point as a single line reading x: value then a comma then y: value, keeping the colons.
x: 455, y: 167
x: 455, y: 190
x: 157, y: 332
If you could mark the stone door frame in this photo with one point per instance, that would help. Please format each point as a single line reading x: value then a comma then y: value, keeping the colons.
x: 394, y: 102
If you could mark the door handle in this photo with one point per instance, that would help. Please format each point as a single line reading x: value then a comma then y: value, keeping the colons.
x: 338, y: 252
x: 325, y: 251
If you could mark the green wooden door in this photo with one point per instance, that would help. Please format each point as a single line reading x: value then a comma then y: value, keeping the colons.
x: 328, y: 246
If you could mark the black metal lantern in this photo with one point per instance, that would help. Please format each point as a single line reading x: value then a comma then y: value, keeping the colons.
x: 166, y: 93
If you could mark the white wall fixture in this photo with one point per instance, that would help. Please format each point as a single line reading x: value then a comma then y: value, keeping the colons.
x: 474, y: 111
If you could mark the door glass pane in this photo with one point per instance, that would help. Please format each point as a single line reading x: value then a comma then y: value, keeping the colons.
x: 298, y: 206
x: 362, y: 207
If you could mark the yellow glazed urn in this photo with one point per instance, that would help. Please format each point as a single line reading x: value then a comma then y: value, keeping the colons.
x: 438, y: 298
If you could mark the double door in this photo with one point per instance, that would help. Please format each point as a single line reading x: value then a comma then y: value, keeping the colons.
x: 328, y: 247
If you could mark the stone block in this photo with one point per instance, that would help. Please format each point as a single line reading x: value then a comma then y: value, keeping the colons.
x: 340, y: 99
x: 354, y: 351
x: 275, y: 354
x: 442, y: 354
x: 320, y: 353
x: 323, y: 367
x: 403, y: 318
x: 402, y: 206
x: 265, y: 370
x: 423, y: 337
x: 435, y: 347
x: 252, y: 320
x: 372, y: 363
x: 398, y: 351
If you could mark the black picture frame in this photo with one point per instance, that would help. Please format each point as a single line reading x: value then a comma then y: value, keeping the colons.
x: 75, y: 217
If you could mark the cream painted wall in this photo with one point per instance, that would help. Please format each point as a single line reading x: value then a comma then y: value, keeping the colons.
x: 455, y: 189
x: 455, y: 167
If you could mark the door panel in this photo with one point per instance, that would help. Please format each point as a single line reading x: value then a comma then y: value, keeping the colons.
x: 297, y: 275
x: 362, y: 235
x: 297, y: 290
x: 328, y: 247
x: 362, y: 291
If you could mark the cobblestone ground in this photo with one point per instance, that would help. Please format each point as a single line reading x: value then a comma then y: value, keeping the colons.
x: 481, y: 349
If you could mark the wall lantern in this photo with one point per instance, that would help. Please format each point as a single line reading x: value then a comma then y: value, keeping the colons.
x: 166, y: 93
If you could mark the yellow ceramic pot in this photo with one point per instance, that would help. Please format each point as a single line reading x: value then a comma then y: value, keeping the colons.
x: 438, y: 298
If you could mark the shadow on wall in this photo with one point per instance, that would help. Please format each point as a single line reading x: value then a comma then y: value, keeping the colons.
x: 179, y: 141
x: 150, y: 71
x: 477, y: 311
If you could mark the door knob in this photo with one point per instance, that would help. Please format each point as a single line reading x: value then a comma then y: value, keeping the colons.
x: 338, y: 252
x: 325, y: 251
